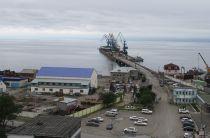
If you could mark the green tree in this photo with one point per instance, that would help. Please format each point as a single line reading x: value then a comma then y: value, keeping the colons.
x: 108, y: 98
x: 8, y: 109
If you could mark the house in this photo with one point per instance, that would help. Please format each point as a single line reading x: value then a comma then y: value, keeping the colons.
x: 184, y: 95
x: 14, y: 82
x: 30, y: 74
x: 67, y: 104
x: 65, y: 80
x: 3, y: 87
x: 124, y: 74
x: 171, y: 69
x: 48, y: 126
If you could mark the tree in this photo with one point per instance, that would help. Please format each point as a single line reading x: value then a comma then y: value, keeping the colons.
x: 145, y: 96
x: 8, y: 109
x: 108, y: 98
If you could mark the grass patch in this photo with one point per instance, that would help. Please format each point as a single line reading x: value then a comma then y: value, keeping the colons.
x: 195, y: 107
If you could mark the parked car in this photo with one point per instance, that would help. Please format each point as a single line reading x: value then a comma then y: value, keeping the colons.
x: 92, y: 124
x: 94, y: 120
x: 188, y: 135
x: 186, y: 120
x: 131, y: 130
x: 188, y: 124
x: 133, y: 117
x: 99, y: 118
x: 110, y: 114
x: 188, y: 128
x: 136, y: 118
x: 185, y: 116
x: 183, y: 111
x: 109, y: 126
x: 140, y: 123
x: 114, y: 110
x: 146, y: 111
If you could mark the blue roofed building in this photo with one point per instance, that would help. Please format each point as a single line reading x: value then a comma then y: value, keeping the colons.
x: 64, y: 79
x: 14, y: 82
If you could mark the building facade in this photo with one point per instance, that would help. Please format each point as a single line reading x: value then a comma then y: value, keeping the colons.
x: 15, y: 82
x: 184, y: 95
x: 3, y: 87
x: 171, y: 69
x: 124, y: 74
x: 65, y: 80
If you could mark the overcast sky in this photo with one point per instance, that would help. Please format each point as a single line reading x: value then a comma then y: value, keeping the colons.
x: 134, y: 18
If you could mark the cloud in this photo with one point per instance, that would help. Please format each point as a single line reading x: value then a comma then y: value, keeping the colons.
x: 136, y: 18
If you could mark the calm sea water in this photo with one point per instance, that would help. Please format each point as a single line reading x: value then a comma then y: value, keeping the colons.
x: 19, y: 54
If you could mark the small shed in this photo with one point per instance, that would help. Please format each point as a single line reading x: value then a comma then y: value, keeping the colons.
x: 3, y: 87
x: 67, y: 104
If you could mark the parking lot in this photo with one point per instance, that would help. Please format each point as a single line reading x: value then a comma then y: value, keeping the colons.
x: 122, y: 121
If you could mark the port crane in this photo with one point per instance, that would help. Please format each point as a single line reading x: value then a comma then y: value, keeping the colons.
x: 112, y: 42
x: 123, y: 41
x: 207, y: 78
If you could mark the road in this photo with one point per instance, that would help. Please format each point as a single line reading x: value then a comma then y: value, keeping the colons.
x: 163, y: 123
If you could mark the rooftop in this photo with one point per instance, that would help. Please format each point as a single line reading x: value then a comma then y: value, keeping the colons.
x: 123, y: 69
x: 65, y: 72
x: 68, y: 100
x: 48, y: 126
x: 29, y: 71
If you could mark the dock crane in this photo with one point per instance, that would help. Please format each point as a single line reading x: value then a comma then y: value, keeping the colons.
x: 123, y: 41
x: 111, y: 42
x: 207, y: 78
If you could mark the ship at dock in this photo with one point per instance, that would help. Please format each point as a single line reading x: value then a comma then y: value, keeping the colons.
x: 118, y: 45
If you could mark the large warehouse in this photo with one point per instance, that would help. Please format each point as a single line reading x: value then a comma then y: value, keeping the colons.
x: 64, y: 79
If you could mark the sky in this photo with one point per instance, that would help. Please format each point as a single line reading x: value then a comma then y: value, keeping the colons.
x: 92, y: 18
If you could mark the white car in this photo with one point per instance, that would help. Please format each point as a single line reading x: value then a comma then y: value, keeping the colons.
x: 146, y: 111
x: 188, y: 135
x: 113, y: 110
x: 130, y: 130
x: 186, y: 119
x: 99, y: 118
x: 140, y: 123
x: 109, y: 113
x: 134, y: 118
x: 183, y: 111
x: 143, y: 119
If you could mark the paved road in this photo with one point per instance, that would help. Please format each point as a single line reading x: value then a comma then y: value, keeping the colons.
x: 164, y: 122
x: 166, y: 115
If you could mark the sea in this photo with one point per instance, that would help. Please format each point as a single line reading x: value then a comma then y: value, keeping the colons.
x: 19, y: 54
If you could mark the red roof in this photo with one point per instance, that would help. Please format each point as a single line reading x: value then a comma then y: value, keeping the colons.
x: 171, y: 66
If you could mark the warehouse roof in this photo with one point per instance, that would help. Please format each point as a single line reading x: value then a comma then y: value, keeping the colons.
x: 65, y: 72
x: 49, y: 126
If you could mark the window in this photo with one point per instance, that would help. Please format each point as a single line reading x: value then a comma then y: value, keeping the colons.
x: 36, y: 89
x: 192, y: 92
x: 51, y: 90
x: 81, y: 91
x: 61, y: 90
x: 43, y: 89
x: 71, y: 90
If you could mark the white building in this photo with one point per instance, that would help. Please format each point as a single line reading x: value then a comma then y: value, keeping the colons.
x: 184, y: 95
x: 66, y: 80
x: 3, y: 87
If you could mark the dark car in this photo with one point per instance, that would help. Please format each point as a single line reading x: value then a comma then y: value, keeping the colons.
x: 94, y: 120
x: 92, y: 124
x: 188, y: 124
x: 109, y: 127
x: 187, y: 121
x: 188, y: 128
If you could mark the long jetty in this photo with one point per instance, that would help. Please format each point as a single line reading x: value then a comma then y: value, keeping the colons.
x: 125, y: 60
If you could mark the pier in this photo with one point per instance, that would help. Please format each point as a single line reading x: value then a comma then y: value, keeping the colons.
x: 126, y: 60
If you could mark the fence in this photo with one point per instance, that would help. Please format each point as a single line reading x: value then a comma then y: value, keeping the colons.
x: 91, y: 109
